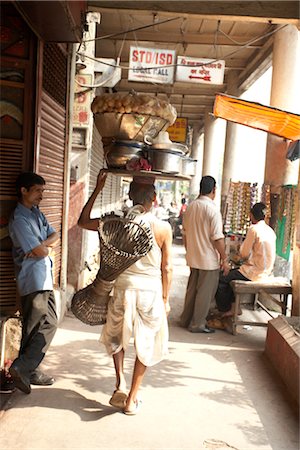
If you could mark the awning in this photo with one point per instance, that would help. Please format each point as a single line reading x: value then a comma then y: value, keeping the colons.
x: 254, y: 115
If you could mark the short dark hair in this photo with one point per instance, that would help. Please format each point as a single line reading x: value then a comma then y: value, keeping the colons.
x: 27, y: 180
x: 258, y: 211
x: 207, y: 184
x: 141, y: 193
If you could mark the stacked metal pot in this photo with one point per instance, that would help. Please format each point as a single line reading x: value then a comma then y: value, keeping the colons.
x: 129, y: 126
x: 165, y: 158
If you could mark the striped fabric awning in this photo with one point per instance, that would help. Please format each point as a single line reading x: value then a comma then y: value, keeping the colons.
x: 254, y: 115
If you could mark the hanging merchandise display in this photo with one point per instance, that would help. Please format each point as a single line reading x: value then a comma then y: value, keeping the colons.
x: 266, y: 198
x: 241, y: 197
x: 286, y: 216
x: 236, y: 218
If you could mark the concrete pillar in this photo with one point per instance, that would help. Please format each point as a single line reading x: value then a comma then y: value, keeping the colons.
x: 197, y: 153
x: 231, y: 147
x: 296, y: 259
x: 230, y: 153
x: 285, y: 94
x: 214, y: 143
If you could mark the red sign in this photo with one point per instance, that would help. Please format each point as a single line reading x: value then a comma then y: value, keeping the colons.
x: 82, y: 101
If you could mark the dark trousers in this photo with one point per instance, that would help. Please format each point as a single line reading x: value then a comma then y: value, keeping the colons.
x: 224, y: 294
x: 39, y: 327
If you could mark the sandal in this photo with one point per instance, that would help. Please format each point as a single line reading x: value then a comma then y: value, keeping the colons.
x: 118, y: 399
x: 133, y: 412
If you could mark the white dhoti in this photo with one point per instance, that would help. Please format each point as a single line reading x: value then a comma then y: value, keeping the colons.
x: 137, y: 310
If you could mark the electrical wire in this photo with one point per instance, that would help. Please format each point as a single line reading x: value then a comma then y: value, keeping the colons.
x: 241, y: 47
x: 199, y: 64
x: 109, y: 76
x: 236, y: 42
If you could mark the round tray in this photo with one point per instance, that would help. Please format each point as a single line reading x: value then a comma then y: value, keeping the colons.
x: 172, y: 146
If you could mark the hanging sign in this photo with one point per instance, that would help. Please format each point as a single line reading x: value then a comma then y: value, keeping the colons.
x: 82, y: 101
x: 151, y: 65
x: 200, y: 70
x: 177, y: 131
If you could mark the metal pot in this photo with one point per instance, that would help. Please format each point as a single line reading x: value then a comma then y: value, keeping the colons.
x: 188, y: 166
x: 165, y: 161
x: 120, y: 152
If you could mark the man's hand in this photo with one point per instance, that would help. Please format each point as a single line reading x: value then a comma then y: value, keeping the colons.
x: 167, y: 307
x: 34, y: 254
x: 225, y: 267
x: 101, y: 178
x: 29, y: 255
x: 85, y: 221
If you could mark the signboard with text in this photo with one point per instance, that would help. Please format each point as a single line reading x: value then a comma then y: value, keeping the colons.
x: 177, y: 131
x: 200, y: 70
x: 82, y: 101
x: 151, y: 65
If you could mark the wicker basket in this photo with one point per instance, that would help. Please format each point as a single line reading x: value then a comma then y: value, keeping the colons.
x: 123, y: 241
x: 90, y: 304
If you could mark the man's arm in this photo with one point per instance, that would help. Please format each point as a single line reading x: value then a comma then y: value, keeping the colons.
x: 219, y: 245
x: 43, y: 250
x: 247, y: 245
x: 166, y: 266
x: 85, y: 220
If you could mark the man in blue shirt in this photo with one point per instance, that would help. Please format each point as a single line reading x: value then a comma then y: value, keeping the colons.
x: 33, y: 239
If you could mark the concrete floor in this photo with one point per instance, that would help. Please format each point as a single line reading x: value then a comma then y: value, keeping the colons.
x: 215, y: 391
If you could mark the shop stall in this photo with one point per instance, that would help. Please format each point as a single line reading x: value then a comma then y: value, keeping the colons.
x: 281, y: 207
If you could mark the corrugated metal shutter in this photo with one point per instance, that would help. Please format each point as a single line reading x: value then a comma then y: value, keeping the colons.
x: 51, y: 167
x: 17, y: 85
x: 10, y: 167
x: 51, y: 157
x: 110, y: 196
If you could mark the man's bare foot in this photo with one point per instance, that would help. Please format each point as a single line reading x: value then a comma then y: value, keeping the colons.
x: 132, y: 407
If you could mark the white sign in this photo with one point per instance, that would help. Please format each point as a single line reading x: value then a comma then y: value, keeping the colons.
x: 151, y: 65
x: 200, y: 70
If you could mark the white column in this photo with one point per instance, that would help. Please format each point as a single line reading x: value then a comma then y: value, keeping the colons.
x: 197, y: 153
x: 285, y: 94
x: 214, y: 142
x: 231, y: 147
x: 230, y: 154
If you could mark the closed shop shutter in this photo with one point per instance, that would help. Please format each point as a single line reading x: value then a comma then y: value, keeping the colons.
x: 16, y: 134
x: 51, y: 156
x: 110, y: 196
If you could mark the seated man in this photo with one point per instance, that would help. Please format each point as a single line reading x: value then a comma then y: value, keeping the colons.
x: 258, y: 254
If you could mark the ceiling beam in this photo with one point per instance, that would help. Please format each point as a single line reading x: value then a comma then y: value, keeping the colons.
x: 186, y: 38
x: 257, y: 11
x: 176, y: 88
x: 191, y: 99
x: 256, y: 66
x: 231, y: 64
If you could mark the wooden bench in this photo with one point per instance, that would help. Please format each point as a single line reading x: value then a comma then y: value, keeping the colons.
x: 277, y: 286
